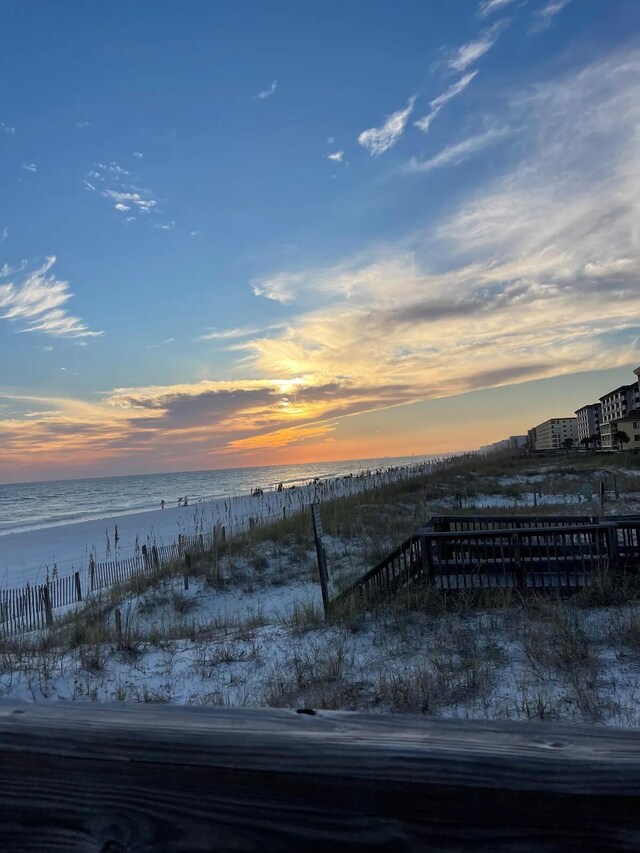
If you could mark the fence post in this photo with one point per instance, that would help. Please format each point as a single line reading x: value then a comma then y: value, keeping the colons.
x: 322, y: 560
x: 118, y: 618
x: 46, y: 596
x: 517, y: 562
x: 428, y: 564
x: 76, y: 578
x: 613, y: 548
x: 155, y: 557
x: 145, y: 557
x: 92, y: 572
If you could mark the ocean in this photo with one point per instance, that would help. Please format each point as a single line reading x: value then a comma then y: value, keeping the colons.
x: 32, y: 506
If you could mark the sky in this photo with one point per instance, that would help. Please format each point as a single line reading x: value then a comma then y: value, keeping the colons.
x: 250, y: 232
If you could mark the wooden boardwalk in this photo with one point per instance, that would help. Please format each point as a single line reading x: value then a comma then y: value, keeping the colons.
x: 158, y: 778
x: 525, y: 553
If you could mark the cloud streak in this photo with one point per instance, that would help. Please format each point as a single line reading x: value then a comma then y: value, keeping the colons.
x: 475, y: 50
x: 544, y: 16
x: 454, y: 154
x: 266, y: 93
x: 377, y: 140
x: 38, y: 304
x: 489, y: 7
x: 438, y: 103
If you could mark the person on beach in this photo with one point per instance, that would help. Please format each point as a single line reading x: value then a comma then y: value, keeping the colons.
x: 186, y: 502
x: 179, y: 501
x: 162, y: 504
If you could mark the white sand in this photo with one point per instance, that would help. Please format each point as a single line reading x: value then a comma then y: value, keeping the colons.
x: 26, y: 556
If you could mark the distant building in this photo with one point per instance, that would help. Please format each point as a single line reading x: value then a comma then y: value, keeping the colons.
x: 503, y: 444
x: 588, y: 421
x: 552, y: 434
x: 517, y: 442
x: 531, y: 438
x: 629, y: 423
x: 615, y: 405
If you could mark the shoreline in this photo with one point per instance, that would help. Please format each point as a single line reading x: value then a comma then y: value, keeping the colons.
x: 122, y: 502
x: 27, y: 555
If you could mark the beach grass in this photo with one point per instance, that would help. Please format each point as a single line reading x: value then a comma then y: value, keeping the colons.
x: 249, y: 629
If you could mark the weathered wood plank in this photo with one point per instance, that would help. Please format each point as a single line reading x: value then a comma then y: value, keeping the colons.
x: 138, y: 778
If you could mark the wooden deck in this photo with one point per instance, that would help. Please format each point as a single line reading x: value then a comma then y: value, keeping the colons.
x: 526, y: 553
x: 84, y: 777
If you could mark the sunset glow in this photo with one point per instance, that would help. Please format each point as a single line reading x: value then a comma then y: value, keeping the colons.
x: 240, y: 255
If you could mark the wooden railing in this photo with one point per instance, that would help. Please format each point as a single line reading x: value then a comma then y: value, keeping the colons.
x: 87, y: 777
x: 481, y: 552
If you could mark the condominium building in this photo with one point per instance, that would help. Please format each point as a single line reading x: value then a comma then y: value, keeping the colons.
x: 554, y: 433
x: 588, y: 421
x: 629, y: 424
x: 615, y: 405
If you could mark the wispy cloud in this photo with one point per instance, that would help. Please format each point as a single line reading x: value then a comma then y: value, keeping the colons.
x: 377, y: 140
x: 543, y: 17
x: 454, y: 154
x: 4, y: 128
x: 6, y: 270
x: 121, y: 187
x: 337, y: 156
x: 138, y: 154
x: 474, y: 50
x: 488, y: 7
x: 165, y: 342
x: 240, y: 332
x: 542, y: 265
x: 81, y: 125
x: 29, y: 167
x: 126, y: 200
x: 4, y: 234
x: 39, y: 302
x: 438, y: 103
x: 266, y: 93
x: 279, y: 288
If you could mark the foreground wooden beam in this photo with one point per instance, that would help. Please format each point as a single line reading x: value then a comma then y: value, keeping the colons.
x: 102, y: 778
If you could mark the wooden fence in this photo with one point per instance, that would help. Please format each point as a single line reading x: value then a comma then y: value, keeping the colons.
x: 484, y: 552
x: 30, y: 608
x: 90, y: 777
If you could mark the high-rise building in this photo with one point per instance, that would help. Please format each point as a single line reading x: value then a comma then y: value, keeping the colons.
x: 554, y: 433
x: 588, y: 420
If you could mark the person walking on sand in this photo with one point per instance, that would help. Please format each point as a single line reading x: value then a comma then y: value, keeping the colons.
x: 162, y: 504
x: 179, y: 501
x: 186, y: 502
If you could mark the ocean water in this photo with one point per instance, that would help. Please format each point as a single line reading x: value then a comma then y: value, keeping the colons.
x: 31, y: 506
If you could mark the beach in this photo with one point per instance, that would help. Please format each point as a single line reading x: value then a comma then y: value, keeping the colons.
x: 243, y: 625
x: 28, y: 556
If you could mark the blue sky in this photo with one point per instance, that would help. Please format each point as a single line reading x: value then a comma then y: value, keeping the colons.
x: 280, y: 227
